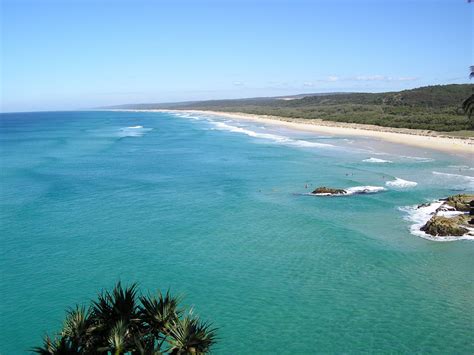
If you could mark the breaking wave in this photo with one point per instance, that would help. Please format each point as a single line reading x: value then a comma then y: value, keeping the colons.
x: 364, y: 190
x: 461, y: 167
x: 457, y: 178
x: 376, y: 160
x: 133, y: 131
x: 273, y: 137
x: 400, y: 183
x: 418, y: 159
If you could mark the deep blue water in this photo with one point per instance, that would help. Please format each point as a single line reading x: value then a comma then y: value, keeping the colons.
x: 214, y: 210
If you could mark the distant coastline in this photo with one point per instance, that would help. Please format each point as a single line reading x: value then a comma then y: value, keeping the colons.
x: 406, y: 136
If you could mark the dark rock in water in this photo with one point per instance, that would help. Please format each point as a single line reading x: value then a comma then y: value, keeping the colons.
x: 423, y: 205
x: 445, y: 226
x: 329, y: 190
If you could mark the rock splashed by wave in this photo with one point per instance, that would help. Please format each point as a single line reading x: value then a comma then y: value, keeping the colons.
x: 356, y: 190
x: 442, y: 220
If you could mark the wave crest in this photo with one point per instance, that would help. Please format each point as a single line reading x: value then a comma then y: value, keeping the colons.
x: 400, y: 183
x: 376, y: 160
x: 133, y: 131
x: 273, y: 137
x: 459, y: 179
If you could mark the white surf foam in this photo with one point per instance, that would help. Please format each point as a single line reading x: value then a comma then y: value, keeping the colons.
x: 133, y: 131
x: 273, y: 137
x: 461, y: 167
x: 376, y: 160
x: 418, y: 216
x: 400, y: 183
x: 418, y: 159
x: 364, y: 190
x: 457, y: 176
x: 463, y: 180
x: 189, y: 115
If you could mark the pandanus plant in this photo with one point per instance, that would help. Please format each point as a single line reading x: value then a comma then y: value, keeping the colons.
x: 121, y: 322
x: 468, y: 104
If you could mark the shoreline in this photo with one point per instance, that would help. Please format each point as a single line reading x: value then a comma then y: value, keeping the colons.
x: 405, y: 136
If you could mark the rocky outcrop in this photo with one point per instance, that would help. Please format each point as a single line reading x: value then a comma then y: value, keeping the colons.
x: 460, y: 202
x: 446, y: 226
x: 329, y: 191
x: 452, y: 218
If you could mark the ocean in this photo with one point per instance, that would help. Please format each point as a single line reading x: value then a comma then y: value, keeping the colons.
x: 218, y: 210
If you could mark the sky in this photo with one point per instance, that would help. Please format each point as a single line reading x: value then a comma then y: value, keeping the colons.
x: 76, y: 54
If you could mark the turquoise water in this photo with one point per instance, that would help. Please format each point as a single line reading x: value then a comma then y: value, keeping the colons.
x: 215, y: 211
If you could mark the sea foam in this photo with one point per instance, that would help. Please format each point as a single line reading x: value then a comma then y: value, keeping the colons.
x: 418, y: 159
x: 400, y: 183
x: 459, y: 179
x: 133, y: 131
x: 376, y: 160
x: 364, y: 190
x: 272, y: 137
x: 456, y: 176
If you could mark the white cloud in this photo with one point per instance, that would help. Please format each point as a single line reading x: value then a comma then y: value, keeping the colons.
x: 382, y: 78
x: 363, y: 78
x: 407, y: 78
x: 371, y: 78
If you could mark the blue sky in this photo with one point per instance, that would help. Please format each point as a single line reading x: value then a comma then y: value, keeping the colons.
x: 76, y: 54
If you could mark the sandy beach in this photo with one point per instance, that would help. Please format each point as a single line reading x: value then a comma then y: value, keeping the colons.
x: 412, y: 137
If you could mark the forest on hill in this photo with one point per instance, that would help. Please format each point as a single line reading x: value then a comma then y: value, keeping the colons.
x: 436, y: 108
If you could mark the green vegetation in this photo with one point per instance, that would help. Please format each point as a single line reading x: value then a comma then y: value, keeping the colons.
x: 436, y: 108
x: 121, y: 322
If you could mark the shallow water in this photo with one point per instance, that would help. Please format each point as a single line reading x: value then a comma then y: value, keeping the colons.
x: 215, y: 209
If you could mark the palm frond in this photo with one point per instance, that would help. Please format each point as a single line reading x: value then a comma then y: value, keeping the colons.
x: 189, y: 335
x: 57, y: 346
x: 118, y: 338
x: 120, y: 304
x: 468, y: 106
x: 77, y: 326
x: 120, y: 322
x: 159, y: 312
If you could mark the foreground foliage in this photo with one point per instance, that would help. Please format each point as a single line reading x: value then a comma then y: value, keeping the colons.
x: 122, y: 321
x: 468, y: 104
